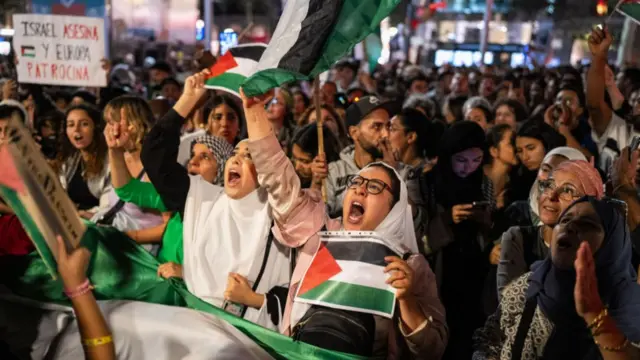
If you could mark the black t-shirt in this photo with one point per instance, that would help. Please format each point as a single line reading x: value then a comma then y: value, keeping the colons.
x: 79, y: 192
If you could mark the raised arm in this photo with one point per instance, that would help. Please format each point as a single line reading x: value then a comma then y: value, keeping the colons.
x: 299, y: 214
x: 117, y: 136
x: 142, y: 194
x: 599, y: 111
x: 160, y: 150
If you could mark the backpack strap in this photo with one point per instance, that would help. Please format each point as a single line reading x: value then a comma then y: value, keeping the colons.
x: 107, y: 218
x: 265, y: 258
x: 523, y: 328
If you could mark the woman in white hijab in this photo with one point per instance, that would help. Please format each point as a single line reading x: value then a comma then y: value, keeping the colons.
x: 376, y: 200
x: 520, y: 244
x: 230, y: 259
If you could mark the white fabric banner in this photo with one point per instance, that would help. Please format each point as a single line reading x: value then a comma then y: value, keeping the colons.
x: 59, y: 50
x: 141, y: 331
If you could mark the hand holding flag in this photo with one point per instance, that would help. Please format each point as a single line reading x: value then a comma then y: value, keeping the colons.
x: 599, y: 42
x: 401, y: 278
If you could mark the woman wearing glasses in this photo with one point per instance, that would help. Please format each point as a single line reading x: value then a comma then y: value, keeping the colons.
x: 560, y: 182
x: 375, y: 200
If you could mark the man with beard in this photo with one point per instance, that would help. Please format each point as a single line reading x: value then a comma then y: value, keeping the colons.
x: 368, y: 125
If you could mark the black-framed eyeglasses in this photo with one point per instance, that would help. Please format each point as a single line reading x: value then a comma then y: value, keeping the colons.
x: 373, y: 186
x: 566, y: 192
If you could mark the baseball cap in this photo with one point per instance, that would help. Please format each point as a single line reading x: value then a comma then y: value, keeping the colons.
x: 365, y: 106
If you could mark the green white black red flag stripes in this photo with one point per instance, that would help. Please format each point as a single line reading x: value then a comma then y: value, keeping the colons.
x: 234, y: 67
x: 347, y: 273
x: 630, y: 9
x: 311, y: 36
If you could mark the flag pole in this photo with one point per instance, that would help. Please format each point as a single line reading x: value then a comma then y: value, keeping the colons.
x: 614, y: 11
x: 317, y: 104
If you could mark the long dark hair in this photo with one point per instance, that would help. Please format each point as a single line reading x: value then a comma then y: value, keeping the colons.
x: 343, y: 136
x: 494, y: 137
x: 97, y: 149
x: 210, y: 109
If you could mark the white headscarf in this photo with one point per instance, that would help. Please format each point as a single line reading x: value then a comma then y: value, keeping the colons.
x: 565, y: 151
x: 397, y: 227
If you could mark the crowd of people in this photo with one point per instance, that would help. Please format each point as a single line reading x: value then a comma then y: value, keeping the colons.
x: 513, y: 193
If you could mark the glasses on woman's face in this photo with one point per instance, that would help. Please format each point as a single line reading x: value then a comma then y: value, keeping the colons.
x: 566, y: 192
x: 373, y: 186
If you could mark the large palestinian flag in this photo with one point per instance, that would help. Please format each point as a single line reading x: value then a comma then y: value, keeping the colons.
x: 347, y: 273
x: 311, y: 36
x: 234, y: 67
x: 630, y: 8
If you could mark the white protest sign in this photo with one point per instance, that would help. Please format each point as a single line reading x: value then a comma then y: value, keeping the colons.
x: 59, y: 50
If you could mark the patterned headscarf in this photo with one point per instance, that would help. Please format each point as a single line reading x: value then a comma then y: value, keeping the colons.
x: 587, y: 175
x: 221, y: 150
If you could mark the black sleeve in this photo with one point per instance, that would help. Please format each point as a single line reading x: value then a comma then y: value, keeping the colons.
x: 159, y: 158
x: 625, y: 110
x: 276, y: 301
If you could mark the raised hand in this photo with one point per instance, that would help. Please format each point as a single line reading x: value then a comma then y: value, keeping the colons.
x: 585, y: 293
x: 118, y: 134
x: 72, y: 266
x: 194, y: 85
x: 599, y: 42
x: 256, y: 101
x: 623, y: 172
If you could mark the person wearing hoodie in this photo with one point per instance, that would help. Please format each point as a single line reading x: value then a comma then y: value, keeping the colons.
x: 368, y: 125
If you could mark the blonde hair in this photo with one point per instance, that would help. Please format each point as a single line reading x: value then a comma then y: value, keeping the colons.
x: 138, y: 113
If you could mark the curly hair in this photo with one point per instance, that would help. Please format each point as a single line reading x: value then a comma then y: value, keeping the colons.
x: 138, y: 113
x: 97, y: 150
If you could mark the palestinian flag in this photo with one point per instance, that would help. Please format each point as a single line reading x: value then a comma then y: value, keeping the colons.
x: 32, y: 190
x: 234, y: 67
x: 28, y: 51
x: 630, y: 9
x: 347, y: 273
x: 311, y: 36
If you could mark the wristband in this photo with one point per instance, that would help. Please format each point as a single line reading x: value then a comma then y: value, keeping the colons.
x: 97, y: 341
x: 82, y: 289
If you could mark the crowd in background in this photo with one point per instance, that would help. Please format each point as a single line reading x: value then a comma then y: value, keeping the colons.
x: 521, y: 187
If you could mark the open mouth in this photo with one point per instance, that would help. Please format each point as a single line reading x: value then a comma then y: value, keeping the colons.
x: 77, y: 137
x: 550, y: 209
x: 564, y: 243
x: 233, y: 178
x: 356, y: 212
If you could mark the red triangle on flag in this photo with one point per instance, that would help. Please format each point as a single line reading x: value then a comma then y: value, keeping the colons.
x: 224, y: 63
x: 9, y: 176
x: 323, y: 267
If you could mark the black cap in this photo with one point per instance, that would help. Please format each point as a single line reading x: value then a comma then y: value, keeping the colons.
x: 365, y: 106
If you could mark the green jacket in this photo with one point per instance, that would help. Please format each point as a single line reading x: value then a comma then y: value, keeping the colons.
x: 144, y: 195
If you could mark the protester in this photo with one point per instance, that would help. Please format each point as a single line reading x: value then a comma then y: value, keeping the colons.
x: 82, y: 162
x: 304, y: 151
x: 452, y: 108
x: 462, y: 255
x: 300, y: 104
x: 215, y: 222
x: 580, y: 302
x: 413, y: 141
x: 522, y: 246
x: 510, y: 112
x: 367, y: 122
x: 128, y: 121
x: 367, y: 206
x: 421, y: 103
x: 332, y: 120
x: 280, y: 110
x: 500, y: 158
x: 170, y: 89
x: 478, y: 110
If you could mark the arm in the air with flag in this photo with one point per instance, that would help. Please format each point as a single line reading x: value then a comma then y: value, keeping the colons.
x: 160, y: 150
x: 299, y: 214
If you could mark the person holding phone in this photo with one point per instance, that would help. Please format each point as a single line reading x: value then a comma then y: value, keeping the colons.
x: 462, y: 192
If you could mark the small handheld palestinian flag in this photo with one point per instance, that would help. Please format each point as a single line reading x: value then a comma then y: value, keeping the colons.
x: 311, y: 36
x: 32, y: 190
x: 234, y: 67
x: 347, y: 273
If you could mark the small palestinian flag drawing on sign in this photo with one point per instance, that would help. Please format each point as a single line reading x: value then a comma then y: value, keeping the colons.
x: 347, y: 273
x: 234, y: 67
x: 28, y: 51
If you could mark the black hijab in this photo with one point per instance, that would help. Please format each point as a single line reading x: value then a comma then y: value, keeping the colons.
x: 553, y: 290
x: 451, y: 189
